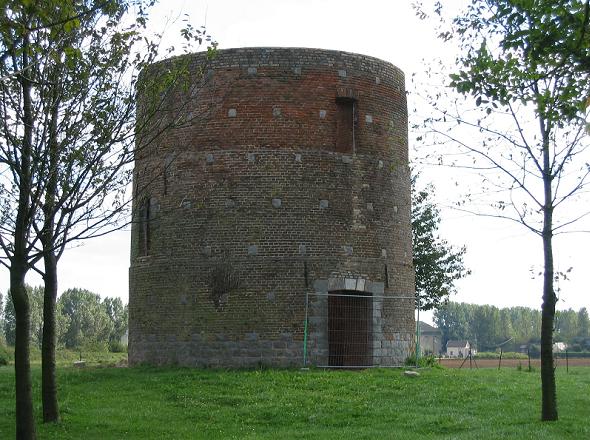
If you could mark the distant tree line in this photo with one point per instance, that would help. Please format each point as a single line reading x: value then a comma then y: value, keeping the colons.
x: 84, y: 320
x: 487, y: 326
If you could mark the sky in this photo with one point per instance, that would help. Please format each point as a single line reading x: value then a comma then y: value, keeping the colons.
x: 500, y: 254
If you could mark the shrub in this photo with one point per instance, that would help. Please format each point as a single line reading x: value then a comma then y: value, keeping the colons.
x: 505, y: 355
x: 4, y: 355
x: 423, y: 362
x: 117, y: 347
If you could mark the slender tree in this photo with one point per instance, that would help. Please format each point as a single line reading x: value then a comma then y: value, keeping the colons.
x: 525, y: 68
x: 69, y: 70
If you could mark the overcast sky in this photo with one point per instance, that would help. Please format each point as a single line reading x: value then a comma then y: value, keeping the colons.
x: 500, y: 255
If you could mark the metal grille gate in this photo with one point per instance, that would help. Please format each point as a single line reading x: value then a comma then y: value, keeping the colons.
x: 352, y: 329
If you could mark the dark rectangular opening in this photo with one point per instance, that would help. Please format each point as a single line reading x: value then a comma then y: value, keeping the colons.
x: 350, y: 329
x: 345, y: 125
x: 144, y: 226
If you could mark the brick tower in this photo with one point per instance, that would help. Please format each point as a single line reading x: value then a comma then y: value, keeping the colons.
x: 287, y: 182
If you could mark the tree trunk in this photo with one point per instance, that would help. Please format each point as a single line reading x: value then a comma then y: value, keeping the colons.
x: 48, y: 378
x: 548, y: 387
x: 25, y: 423
x: 549, y: 396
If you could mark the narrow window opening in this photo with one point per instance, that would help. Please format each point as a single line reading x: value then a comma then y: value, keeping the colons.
x: 345, y: 125
x: 144, y: 226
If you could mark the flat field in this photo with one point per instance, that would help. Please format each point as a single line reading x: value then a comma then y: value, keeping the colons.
x: 179, y: 403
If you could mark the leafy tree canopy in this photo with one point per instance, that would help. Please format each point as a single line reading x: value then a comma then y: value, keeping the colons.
x: 438, y: 264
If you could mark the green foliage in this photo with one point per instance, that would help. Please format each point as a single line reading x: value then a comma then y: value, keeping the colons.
x: 490, y: 326
x: 428, y: 361
x: 438, y: 265
x: 83, y: 320
x: 117, y: 347
x: 530, y: 52
x: 90, y: 324
x: 35, y: 295
x: 4, y: 355
x: 496, y: 355
x: 118, y: 314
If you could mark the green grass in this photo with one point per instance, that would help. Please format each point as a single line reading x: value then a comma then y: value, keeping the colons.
x: 65, y: 357
x: 154, y: 403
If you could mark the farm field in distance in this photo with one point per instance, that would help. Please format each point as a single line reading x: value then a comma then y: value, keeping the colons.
x: 182, y: 403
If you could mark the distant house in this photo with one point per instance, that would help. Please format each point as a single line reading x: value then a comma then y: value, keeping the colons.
x: 458, y: 349
x: 430, y: 339
x: 559, y: 346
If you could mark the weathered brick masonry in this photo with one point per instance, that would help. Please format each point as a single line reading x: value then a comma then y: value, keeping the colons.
x: 289, y: 176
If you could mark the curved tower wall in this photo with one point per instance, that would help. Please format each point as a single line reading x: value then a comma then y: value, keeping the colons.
x: 287, y: 176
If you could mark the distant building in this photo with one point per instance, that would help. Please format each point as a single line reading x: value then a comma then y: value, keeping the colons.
x: 459, y: 349
x: 559, y: 346
x: 430, y: 339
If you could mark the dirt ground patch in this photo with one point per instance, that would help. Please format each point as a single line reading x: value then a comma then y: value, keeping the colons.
x: 511, y: 363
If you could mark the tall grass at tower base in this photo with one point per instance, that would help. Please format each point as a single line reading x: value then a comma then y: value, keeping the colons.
x: 153, y: 403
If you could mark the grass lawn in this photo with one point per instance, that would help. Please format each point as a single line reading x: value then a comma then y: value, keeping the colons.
x: 158, y: 403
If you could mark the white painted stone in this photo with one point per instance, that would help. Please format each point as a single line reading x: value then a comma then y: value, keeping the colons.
x: 350, y: 284
x: 232, y: 113
x: 360, y: 284
x: 369, y: 119
x: 342, y: 73
x: 322, y: 114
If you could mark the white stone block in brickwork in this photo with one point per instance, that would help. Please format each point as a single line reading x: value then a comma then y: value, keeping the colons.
x: 276, y: 111
x: 232, y: 113
x: 252, y: 249
x: 350, y: 284
x: 380, y: 164
x: 324, y: 204
x: 252, y: 70
x: 322, y: 114
x: 369, y: 119
x: 360, y: 284
x: 342, y: 73
x: 297, y: 157
x: 276, y: 203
